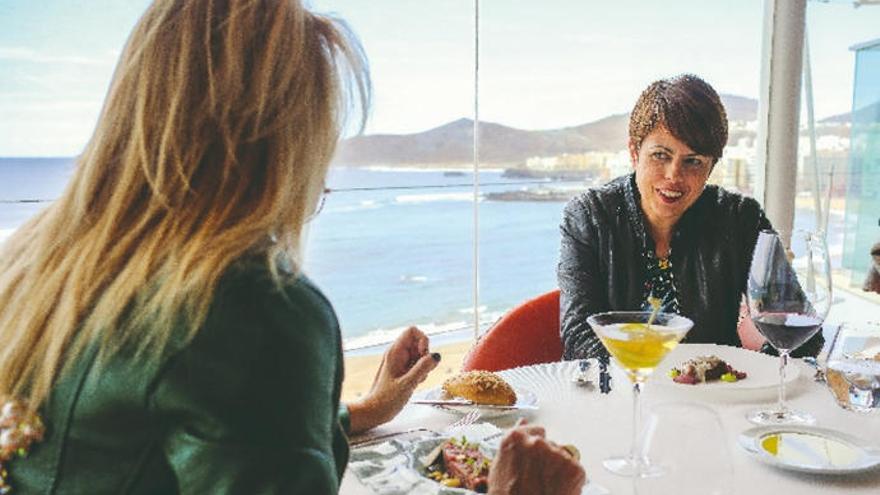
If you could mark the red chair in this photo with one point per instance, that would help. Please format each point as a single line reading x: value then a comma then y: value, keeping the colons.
x: 527, y: 334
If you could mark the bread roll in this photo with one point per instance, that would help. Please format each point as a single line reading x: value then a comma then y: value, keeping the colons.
x: 481, y: 387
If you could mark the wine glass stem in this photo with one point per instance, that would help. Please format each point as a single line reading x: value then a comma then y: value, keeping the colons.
x: 783, y: 360
x: 635, y: 448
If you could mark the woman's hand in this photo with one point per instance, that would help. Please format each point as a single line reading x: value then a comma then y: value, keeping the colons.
x: 404, y: 366
x: 528, y: 463
x: 749, y: 336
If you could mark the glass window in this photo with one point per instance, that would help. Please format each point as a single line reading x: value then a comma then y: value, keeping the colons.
x: 846, y: 98
x: 863, y: 191
x: 56, y: 60
x: 393, y: 244
x: 557, y: 88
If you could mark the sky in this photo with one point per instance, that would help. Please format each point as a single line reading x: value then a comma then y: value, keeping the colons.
x: 543, y: 65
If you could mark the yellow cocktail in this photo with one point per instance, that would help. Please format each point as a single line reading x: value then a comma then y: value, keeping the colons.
x: 638, y: 347
x: 638, y: 341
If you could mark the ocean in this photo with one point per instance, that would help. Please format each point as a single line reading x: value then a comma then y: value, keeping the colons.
x: 397, y: 254
x: 397, y: 251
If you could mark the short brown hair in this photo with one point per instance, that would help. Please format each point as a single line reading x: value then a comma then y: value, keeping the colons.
x: 687, y: 107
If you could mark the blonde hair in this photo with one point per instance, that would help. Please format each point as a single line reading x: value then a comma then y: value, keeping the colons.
x: 215, y: 136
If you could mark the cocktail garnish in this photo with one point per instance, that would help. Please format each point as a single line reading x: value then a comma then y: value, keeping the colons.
x: 655, y: 309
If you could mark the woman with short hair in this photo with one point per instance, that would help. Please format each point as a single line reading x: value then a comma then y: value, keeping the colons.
x: 662, y: 232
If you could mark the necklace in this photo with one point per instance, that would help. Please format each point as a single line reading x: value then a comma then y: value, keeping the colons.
x: 659, y: 282
x: 663, y: 263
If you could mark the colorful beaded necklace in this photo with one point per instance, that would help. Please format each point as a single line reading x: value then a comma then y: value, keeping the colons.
x: 19, y: 428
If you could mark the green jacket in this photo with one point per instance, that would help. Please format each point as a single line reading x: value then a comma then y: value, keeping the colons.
x: 250, y: 406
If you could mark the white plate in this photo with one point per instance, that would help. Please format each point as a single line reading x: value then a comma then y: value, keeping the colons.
x: 524, y: 397
x: 762, y: 371
x: 810, y: 449
x: 424, y: 447
x: 394, y: 467
x: 490, y: 449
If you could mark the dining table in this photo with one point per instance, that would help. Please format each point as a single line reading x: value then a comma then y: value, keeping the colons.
x: 599, y: 425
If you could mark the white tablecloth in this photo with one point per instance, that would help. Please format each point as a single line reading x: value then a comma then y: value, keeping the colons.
x: 599, y: 425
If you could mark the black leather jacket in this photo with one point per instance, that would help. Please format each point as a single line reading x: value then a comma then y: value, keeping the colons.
x: 601, y: 265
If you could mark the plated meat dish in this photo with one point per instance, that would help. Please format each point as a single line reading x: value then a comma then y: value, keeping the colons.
x: 704, y: 369
x: 457, y: 463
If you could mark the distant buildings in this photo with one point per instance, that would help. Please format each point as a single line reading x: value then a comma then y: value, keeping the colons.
x: 735, y: 170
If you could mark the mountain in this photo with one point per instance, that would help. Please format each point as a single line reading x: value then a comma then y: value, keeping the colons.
x: 841, y: 118
x: 867, y: 113
x: 740, y: 108
x: 449, y: 143
x: 500, y: 144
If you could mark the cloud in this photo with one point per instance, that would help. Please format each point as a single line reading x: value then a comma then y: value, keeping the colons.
x: 29, y: 55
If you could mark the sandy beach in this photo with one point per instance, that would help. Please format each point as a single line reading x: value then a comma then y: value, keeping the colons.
x: 360, y: 370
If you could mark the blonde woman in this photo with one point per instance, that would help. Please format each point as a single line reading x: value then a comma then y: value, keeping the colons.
x: 154, y: 316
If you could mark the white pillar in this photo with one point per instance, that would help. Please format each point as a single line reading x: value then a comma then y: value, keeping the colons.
x: 779, y: 110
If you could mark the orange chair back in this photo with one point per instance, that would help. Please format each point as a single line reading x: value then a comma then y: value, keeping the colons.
x: 528, y: 334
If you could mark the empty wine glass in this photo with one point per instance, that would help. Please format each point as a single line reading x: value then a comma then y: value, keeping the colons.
x: 789, y: 294
x: 687, y: 441
x: 638, y: 341
x: 852, y: 372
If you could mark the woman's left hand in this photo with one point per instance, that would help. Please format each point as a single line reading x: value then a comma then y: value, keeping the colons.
x: 404, y: 366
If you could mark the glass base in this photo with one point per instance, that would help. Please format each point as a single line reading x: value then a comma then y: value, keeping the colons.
x: 780, y: 417
x: 627, y: 466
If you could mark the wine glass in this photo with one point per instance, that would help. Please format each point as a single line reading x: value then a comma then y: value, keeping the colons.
x: 688, y: 442
x: 638, y: 341
x: 852, y: 371
x: 789, y: 294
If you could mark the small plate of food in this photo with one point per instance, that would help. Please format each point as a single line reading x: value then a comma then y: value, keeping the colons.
x: 460, y: 465
x: 484, y: 391
x: 721, y: 370
x: 455, y: 462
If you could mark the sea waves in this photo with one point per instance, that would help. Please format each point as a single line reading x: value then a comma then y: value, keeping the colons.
x: 403, y: 199
x: 382, y: 336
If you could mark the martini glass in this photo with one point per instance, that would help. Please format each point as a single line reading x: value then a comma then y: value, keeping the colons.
x: 638, y: 341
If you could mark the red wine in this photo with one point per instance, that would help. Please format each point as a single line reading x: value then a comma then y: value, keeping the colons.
x: 787, y: 331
